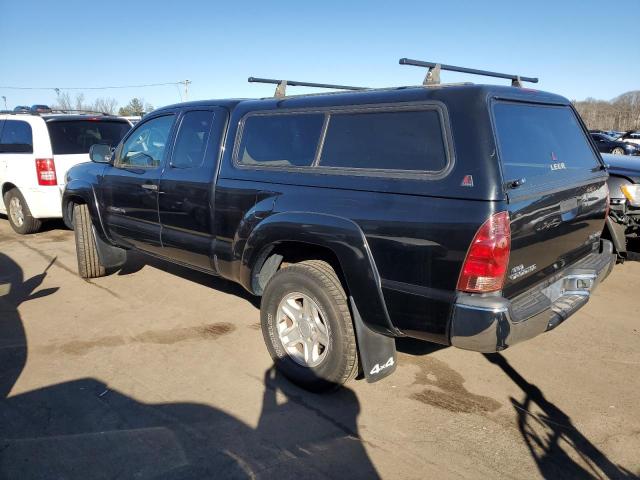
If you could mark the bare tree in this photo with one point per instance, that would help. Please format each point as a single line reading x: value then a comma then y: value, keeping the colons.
x: 63, y: 101
x: 105, y: 105
x: 621, y: 113
x: 80, y: 101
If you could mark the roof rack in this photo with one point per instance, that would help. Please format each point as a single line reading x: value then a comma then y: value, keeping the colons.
x: 281, y: 89
x: 433, y: 74
x: 80, y: 111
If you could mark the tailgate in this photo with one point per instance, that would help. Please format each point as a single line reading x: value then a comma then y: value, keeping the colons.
x: 556, y: 187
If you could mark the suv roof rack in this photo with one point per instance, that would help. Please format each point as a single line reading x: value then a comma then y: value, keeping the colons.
x: 53, y: 111
x: 80, y: 111
x: 433, y: 74
x: 281, y: 89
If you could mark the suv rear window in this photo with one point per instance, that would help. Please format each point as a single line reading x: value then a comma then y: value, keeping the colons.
x: 77, y: 136
x: 16, y: 137
x: 395, y: 140
x: 540, y: 143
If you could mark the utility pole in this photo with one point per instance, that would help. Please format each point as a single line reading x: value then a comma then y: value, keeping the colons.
x: 186, y: 90
x: 5, y: 101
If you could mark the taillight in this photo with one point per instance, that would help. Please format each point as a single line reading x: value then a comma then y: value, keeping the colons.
x: 46, y: 170
x: 486, y: 262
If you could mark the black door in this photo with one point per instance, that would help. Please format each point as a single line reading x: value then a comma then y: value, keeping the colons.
x: 130, y: 186
x: 187, y: 187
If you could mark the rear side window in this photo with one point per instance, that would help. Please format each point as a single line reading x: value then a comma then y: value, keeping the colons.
x: 541, y: 143
x: 288, y: 140
x: 77, y: 136
x: 395, y: 140
x: 192, y: 139
x: 16, y: 137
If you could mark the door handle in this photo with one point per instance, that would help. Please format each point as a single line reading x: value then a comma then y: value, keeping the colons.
x: 150, y: 186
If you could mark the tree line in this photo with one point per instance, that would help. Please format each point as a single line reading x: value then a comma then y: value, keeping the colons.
x: 620, y: 114
x: 135, y: 107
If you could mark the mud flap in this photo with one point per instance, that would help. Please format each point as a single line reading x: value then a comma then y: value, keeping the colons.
x: 110, y: 256
x: 617, y: 236
x: 377, y: 352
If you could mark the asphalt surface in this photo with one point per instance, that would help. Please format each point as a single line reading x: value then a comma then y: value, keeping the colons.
x: 159, y: 372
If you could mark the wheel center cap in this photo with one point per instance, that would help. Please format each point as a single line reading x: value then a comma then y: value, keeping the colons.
x: 305, y: 328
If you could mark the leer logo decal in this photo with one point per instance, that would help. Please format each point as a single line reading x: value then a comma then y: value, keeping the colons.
x: 557, y: 165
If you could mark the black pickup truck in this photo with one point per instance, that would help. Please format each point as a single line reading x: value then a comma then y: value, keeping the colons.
x: 466, y: 215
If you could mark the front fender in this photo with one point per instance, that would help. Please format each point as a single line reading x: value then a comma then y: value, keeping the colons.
x: 81, y: 191
x: 340, y: 235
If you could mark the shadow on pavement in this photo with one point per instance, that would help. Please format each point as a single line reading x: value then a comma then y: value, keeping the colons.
x: 550, y: 435
x: 83, y: 429
x: 136, y: 261
x: 15, y: 290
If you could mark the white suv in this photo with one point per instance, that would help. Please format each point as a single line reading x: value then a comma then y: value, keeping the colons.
x: 36, y: 150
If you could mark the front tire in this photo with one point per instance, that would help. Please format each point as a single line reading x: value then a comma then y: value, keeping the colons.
x: 19, y: 214
x: 307, y: 326
x: 618, y: 151
x: 89, y: 264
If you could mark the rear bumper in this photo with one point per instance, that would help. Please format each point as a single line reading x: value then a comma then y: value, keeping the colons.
x: 492, y: 323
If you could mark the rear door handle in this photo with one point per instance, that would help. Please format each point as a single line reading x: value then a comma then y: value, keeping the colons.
x: 150, y: 186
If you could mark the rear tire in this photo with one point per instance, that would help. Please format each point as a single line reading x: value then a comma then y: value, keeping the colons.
x: 19, y: 214
x: 618, y: 151
x: 89, y: 265
x: 316, y: 284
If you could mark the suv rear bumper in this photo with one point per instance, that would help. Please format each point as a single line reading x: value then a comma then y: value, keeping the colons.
x: 492, y: 323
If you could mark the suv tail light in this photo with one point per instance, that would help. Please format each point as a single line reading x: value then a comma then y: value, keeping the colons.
x: 486, y: 262
x: 46, y: 170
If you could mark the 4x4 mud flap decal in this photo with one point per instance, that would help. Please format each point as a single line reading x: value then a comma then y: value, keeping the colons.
x: 377, y: 352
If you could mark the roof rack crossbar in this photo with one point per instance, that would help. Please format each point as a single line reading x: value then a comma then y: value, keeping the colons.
x: 71, y: 110
x: 433, y: 74
x: 281, y: 89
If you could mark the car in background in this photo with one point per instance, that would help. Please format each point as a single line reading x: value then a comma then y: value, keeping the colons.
x: 134, y: 119
x: 36, y: 150
x: 623, y: 223
x: 607, y: 144
x: 630, y: 137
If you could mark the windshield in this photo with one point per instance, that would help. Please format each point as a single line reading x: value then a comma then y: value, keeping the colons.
x: 77, y: 136
x: 540, y: 143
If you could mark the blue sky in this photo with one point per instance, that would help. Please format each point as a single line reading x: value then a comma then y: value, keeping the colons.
x: 578, y: 48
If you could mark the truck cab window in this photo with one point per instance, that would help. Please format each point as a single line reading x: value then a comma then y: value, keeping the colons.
x: 192, y: 139
x: 145, y: 147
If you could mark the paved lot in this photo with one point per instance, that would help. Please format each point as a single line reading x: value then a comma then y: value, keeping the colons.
x: 159, y: 372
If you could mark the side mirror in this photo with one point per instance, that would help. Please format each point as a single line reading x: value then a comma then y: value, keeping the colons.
x: 100, y: 153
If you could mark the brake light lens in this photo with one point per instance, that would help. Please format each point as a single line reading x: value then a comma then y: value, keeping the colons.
x: 485, y: 265
x: 46, y: 170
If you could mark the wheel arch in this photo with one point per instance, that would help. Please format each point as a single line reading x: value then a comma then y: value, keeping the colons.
x: 82, y: 193
x: 6, y: 187
x: 337, y: 240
